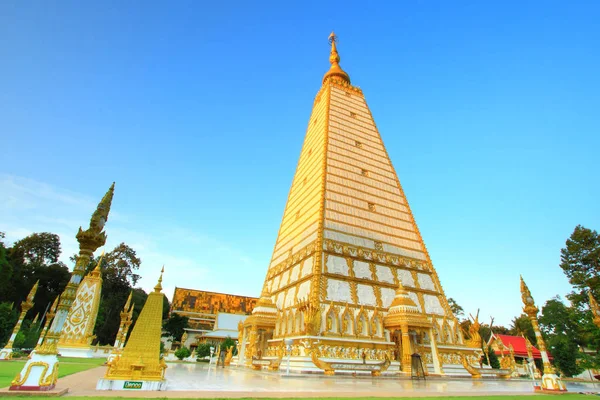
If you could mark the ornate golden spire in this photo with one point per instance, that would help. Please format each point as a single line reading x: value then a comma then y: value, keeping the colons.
x: 31, y: 294
x: 97, y: 272
x: 158, y: 286
x: 55, y: 305
x: 334, y: 58
x: 94, y: 236
x: 128, y: 302
x: 528, y: 301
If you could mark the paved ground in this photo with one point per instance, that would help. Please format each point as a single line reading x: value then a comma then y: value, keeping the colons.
x: 200, y: 381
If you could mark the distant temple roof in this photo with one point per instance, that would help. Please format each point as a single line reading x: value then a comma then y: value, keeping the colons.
x: 518, y: 343
x: 201, y: 301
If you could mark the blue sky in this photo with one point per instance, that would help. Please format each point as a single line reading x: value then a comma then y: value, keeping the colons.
x: 489, y: 111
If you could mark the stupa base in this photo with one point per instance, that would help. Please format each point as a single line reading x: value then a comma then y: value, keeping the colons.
x: 6, y: 354
x: 39, y: 374
x: 551, y: 383
x: 133, y: 384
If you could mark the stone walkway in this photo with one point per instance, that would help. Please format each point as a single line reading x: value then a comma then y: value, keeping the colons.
x: 199, y: 381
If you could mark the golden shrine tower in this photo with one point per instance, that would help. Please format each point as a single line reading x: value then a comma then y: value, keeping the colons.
x: 348, y: 245
x: 140, y: 365
x: 78, y: 331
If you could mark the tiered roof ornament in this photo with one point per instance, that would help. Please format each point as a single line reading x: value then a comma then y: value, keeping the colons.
x: 335, y: 71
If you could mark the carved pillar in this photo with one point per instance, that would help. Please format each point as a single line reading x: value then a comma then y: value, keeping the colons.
x: 437, y: 368
x: 406, y: 360
x: 49, y: 317
x: 6, y: 352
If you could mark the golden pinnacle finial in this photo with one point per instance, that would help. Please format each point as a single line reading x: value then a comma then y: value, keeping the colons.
x: 335, y: 71
x: 94, y: 236
x: 128, y: 302
x: 158, y: 286
x: 55, y: 304
x: 529, y: 304
x: 100, y: 216
x: 98, y: 270
x: 32, y: 292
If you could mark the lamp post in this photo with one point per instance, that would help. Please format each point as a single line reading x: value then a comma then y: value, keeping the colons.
x: 288, y: 347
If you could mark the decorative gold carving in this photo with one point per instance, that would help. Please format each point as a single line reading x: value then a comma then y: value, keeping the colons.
x: 312, y: 317
x: 474, y: 340
x: 354, y: 292
x: 474, y: 372
x: 26, y: 305
x: 141, y: 356
x: 79, y: 326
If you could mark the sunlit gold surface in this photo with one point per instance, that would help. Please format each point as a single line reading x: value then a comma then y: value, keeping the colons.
x: 140, y: 358
x: 78, y: 331
x: 89, y: 241
x: 346, y: 242
x: 549, y: 380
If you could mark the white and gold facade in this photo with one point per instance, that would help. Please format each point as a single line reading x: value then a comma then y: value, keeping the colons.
x: 78, y: 332
x: 347, y: 240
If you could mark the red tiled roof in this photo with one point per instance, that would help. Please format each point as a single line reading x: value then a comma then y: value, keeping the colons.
x: 519, y: 345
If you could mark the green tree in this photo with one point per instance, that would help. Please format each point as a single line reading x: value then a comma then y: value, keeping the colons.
x: 34, y: 258
x: 228, y: 342
x: 203, y: 350
x: 8, y: 319
x: 563, y: 330
x: 457, y: 310
x: 494, y: 361
x: 182, y: 353
x: 566, y: 355
x: 118, y: 278
x: 521, y: 325
x: 6, y: 272
x: 175, y: 326
x: 580, y: 261
x: 38, y: 248
x: 500, y: 330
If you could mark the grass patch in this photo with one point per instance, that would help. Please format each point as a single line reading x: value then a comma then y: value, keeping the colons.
x: 68, y: 365
x: 569, y: 396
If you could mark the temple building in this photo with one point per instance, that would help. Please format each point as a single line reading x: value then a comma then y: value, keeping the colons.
x: 212, y: 316
x: 518, y: 349
x: 348, y: 246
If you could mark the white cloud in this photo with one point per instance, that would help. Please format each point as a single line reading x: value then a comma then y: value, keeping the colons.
x: 28, y: 206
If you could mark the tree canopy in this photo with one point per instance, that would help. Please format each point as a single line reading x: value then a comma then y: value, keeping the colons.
x: 36, y: 257
x: 580, y: 261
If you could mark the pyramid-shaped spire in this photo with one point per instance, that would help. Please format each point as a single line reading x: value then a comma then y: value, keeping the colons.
x: 141, y: 357
x: 348, y: 233
x: 349, y: 264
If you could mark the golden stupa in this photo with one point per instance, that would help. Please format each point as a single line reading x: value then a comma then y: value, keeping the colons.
x: 349, y: 245
x: 140, y: 366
